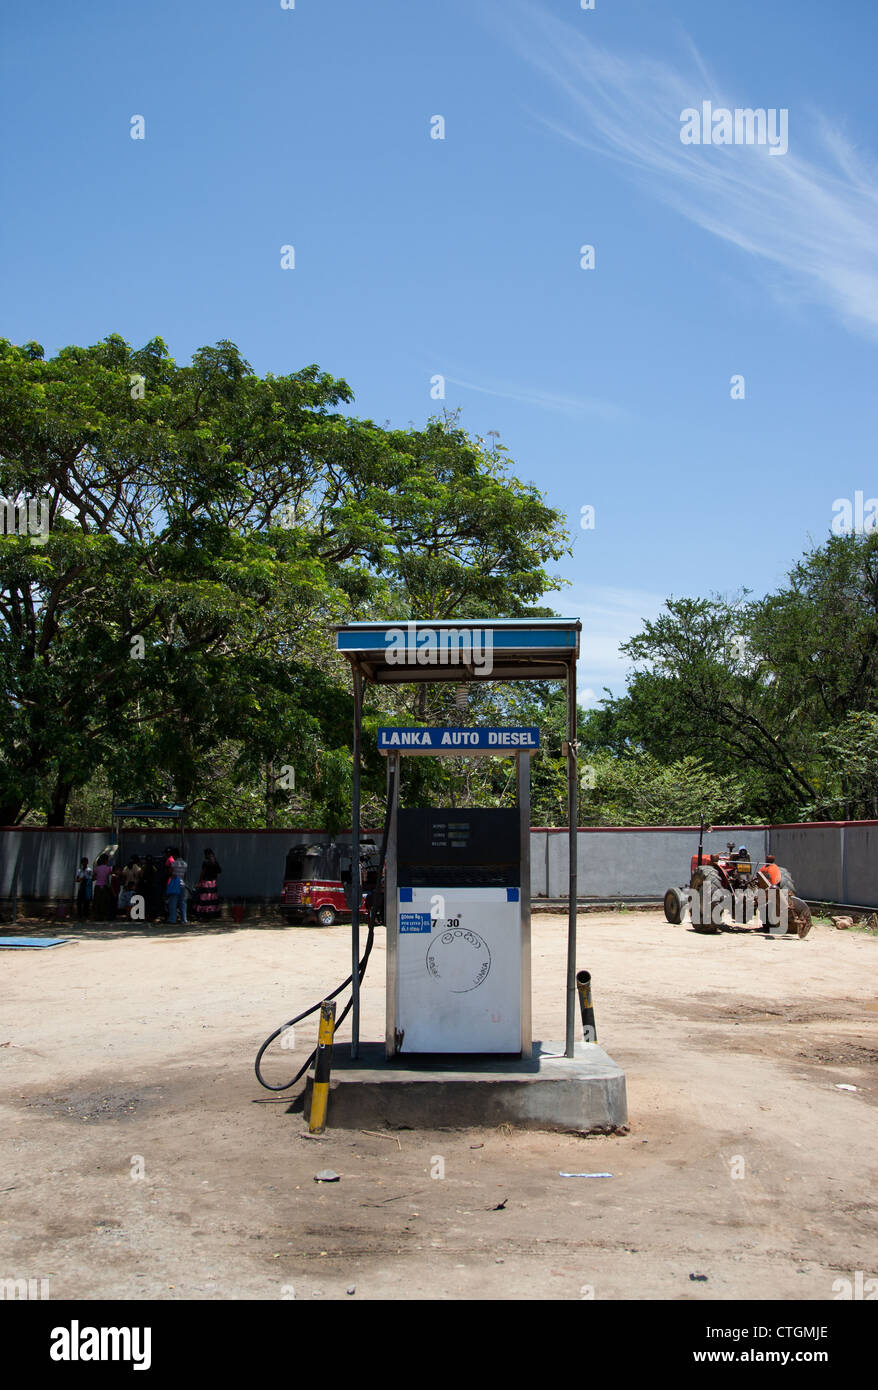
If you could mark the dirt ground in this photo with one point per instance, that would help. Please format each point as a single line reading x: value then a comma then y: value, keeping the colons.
x: 130, y: 1052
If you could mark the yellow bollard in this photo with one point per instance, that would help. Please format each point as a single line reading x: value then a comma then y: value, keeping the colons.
x: 320, y: 1086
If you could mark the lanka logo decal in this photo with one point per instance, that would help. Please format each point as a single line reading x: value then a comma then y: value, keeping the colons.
x: 458, y: 958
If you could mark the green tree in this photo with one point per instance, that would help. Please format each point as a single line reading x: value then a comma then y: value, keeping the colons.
x: 640, y: 790
x: 147, y: 614
x: 847, y: 774
x: 759, y: 690
x: 207, y: 528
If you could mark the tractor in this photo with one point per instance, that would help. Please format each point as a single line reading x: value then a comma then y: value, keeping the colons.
x: 727, y: 882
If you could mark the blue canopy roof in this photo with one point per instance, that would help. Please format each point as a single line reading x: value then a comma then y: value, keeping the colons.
x: 461, y: 649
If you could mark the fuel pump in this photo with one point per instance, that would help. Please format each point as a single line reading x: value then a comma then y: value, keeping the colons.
x: 457, y: 906
x: 462, y: 872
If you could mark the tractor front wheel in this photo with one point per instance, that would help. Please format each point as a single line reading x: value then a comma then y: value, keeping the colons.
x: 674, y: 906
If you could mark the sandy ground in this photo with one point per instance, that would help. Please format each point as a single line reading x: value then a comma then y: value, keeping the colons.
x: 130, y: 1051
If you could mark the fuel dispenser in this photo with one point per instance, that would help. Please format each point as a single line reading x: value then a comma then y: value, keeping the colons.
x: 457, y: 906
x: 456, y: 897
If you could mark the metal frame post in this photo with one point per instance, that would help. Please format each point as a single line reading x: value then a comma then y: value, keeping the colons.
x: 522, y: 778
x: 572, y: 818
x: 391, y: 911
x: 355, y: 868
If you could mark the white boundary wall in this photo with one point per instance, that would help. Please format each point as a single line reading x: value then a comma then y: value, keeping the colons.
x: 831, y: 861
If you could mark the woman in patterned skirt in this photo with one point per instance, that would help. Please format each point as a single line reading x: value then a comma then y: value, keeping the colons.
x: 104, y: 904
x: 208, y: 904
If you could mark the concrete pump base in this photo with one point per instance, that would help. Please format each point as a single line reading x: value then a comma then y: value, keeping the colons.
x: 579, y: 1094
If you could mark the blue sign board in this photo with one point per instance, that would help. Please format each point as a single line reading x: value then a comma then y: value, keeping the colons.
x: 458, y: 740
x: 416, y: 922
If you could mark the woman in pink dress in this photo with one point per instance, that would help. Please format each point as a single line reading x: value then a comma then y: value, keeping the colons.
x: 104, y: 904
x: 208, y: 905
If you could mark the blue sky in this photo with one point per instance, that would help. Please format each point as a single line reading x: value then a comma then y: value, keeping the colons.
x: 415, y: 257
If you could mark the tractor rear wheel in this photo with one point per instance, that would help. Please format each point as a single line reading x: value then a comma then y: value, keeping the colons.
x: 800, y: 917
x: 773, y: 897
x: 675, y: 906
x: 707, y: 885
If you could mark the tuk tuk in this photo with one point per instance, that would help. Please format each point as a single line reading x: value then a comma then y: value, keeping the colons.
x: 315, y: 879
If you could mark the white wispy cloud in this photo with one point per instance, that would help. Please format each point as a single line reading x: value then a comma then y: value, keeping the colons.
x: 546, y: 400
x: 811, y: 215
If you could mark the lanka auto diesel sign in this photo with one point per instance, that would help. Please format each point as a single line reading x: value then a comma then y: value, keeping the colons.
x: 454, y: 740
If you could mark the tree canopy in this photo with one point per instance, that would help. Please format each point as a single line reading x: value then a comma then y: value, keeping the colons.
x: 166, y: 632
x: 779, y: 694
x: 171, y: 634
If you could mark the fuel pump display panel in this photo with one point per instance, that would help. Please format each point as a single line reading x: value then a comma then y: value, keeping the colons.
x: 474, y: 848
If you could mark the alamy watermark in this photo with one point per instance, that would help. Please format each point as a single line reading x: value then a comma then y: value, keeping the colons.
x: 743, y: 126
x: 854, y: 518
x: 859, y: 1289
x: 77, y: 1343
x: 441, y: 646
x: 710, y: 904
x: 31, y: 516
x: 23, y: 1288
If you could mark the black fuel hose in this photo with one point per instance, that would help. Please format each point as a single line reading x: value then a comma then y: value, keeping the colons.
x: 361, y: 970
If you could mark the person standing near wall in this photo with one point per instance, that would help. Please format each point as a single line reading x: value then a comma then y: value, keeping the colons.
x: 115, y: 887
x: 83, y: 889
x: 175, y: 892
x: 181, y: 869
x: 104, y: 903
x: 208, y: 904
x: 165, y: 871
x: 130, y: 875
